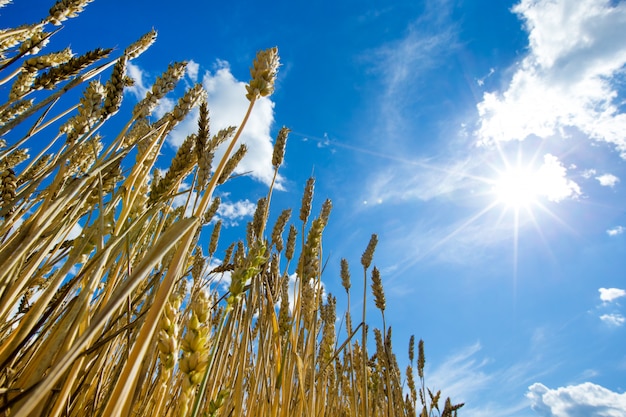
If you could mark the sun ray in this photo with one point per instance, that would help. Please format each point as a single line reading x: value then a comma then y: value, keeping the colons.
x: 520, y: 185
x: 457, y: 230
x: 326, y: 141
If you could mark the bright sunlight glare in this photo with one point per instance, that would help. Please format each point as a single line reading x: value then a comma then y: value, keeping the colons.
x: 522, y: 186
x: 518, y: 187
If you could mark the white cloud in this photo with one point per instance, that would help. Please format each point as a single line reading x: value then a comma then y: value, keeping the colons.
x: 618, y: 230
x: 232, y: 213
x: 461, y: 375
x: 614, y: 319
x: 139, y: 90
x: 566, y: 78
x: 75, y: 231
x: 184, y: 197
x: 222, y: 279
x: 608, y: 296
x: 607, y: 180
x: 553, y: 182
x: 291, y: 292
x: 192, y: 70
x: 584, y: 400
x: 227, y: 107
x: 611, y: 294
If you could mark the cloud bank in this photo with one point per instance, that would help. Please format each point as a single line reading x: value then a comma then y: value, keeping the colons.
x: 568, y: 78
x: 584, y: 400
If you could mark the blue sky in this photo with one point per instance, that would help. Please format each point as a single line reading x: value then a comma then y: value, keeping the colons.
x: 483, y: 141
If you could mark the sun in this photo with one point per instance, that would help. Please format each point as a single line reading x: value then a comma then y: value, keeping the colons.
x: 518, y: 187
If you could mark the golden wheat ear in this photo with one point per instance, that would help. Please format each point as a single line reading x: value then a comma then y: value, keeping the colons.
x: 115, y: 300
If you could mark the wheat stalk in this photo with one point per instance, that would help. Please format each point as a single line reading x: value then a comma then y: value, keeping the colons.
x: 90, y: 321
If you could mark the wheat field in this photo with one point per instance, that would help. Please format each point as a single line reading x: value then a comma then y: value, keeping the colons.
x: 123, y: 318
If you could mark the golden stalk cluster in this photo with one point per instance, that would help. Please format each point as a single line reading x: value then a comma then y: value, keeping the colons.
x: 96, y: 318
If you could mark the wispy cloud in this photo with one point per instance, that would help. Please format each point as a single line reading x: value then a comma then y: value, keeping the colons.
x: 567, y: 77
x: 481, y: 81
x: 462, y: 374
x: 471, y: 172
x: 421, y: 180
x: 402, y: 63
x: 403, y: 59
x: 587, y: 399
x: 469, y: 376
